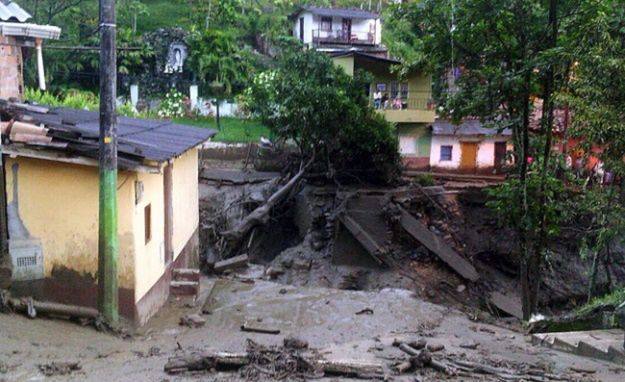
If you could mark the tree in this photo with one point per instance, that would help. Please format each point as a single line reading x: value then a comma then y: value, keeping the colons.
x: 508, y: 52
x: 327, y: 114
x: 217, y: 58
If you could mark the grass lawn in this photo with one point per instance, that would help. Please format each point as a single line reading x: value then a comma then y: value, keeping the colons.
x: 233, y: 129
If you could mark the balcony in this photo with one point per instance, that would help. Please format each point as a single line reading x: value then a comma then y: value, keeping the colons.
x: 411, y: 110
x: 342, y: 37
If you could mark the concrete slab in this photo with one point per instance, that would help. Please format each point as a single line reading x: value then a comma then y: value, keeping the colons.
x: 600, y: 344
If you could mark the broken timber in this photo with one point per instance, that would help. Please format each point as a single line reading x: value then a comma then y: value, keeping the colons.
x: 431, y: 241
x: 231, y: 263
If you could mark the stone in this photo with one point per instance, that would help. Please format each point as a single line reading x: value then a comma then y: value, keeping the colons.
x: 434, y: 347
x: 192, y: 320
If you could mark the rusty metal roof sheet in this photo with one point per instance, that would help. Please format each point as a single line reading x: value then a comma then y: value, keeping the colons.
x: 469, y: 126
x: 340, y: 12
x: 140, y: 140
x: 11, y: 11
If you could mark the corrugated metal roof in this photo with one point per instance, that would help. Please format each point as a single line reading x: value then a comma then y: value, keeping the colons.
x: 139, y: 140
x: 10, y: 11
x: 357, y: 53
x: 469, y: 126
x: 340, y: 12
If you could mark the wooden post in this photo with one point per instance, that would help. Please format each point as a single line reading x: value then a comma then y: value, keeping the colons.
x: 108, y: 241
x: 5, y: 261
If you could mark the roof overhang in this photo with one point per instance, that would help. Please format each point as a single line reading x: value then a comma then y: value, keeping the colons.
x: 30, y: 30
x: 14, y: 151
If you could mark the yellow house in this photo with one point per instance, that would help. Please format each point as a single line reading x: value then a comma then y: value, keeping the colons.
x: 51, y: 173
x: 406, y: 102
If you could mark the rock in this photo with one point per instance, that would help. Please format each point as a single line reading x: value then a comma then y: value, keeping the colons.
x: 435, y: 347
x: 282, y: 291
x: 274, y: 272
x: 469, y: 345
x: 418, y: 344
x: 192, y: 320
x: 317, y: 245
x: 461, y: 288
x: 154, y: 351
x: 295, y: 343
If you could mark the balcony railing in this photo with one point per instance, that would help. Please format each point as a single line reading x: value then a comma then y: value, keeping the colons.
x: 410, y: 103
x: 340, y: 36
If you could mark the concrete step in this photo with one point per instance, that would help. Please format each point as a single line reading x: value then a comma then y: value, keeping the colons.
x: 184, y: 288
x: 600, y: 344
x: 186, y: 274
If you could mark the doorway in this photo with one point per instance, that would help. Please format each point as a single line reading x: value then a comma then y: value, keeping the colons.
x: 468, y: 156
x: 347, y: 29
x: 500, y: 155
x: 301, y: 29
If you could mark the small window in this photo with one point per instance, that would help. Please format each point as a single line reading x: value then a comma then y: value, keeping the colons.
x: 381, y: 87
x: 147, y: 215
x: 446, y: 153
x: 326, y: 23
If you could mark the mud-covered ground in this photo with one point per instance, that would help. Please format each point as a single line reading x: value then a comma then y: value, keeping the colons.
x: 324, y: 317
x: 296, y: 247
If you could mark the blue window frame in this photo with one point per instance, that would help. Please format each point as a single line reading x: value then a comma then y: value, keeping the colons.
x: 446, y: 153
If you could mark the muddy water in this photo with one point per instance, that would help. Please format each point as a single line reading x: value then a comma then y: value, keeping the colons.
x: 326, y: 318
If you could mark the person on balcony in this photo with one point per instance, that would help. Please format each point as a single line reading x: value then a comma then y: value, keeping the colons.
x: 377, y: 99
x: 385, y: 99
x: 397, y: 104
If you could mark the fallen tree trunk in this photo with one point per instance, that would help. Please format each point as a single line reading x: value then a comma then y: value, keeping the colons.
x: 234, y: 361
x: 261, y: 214
x: 22, y: 305
x: 206, y: 361
x: 5, y: 272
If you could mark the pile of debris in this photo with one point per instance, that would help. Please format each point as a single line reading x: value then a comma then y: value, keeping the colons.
x: 295, y: 361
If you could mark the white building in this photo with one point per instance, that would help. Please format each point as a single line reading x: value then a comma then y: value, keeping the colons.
x: 468, y: 147
x: 332, y: 29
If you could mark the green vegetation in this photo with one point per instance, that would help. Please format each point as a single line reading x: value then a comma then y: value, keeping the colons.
x: 310, y: 101
x: 232, y: 129
x: 614, y: 299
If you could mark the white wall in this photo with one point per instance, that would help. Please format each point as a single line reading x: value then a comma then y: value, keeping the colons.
x: 485, y: 151
x: 360, y: 27
x: 308, y: 27
x: 435, y: 152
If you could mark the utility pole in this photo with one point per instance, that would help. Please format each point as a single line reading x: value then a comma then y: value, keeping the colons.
x: 107, y: 236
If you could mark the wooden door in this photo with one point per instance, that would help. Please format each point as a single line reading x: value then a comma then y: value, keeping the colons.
x: 500, y: 155
x: 468, y: 156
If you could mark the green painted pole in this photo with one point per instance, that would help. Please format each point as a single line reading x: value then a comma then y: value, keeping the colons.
x: 108, y: 246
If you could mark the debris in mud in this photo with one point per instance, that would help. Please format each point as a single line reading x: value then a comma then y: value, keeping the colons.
x: 248, y: 327
x: 365, y: 311
x: 295, y: 343
x: 192, y: 320
x: 59, y: 368
x: 277, y: 363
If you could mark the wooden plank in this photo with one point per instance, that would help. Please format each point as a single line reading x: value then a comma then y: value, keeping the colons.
x: 363, y: 237
x: 437, y: 245
x: 231, y: 263
x: 507, y: 304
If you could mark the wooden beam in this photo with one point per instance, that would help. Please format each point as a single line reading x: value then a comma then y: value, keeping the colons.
x: 437, y: 245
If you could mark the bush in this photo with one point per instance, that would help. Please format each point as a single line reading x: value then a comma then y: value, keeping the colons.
x: 172, y: 106
x: 327, y: 114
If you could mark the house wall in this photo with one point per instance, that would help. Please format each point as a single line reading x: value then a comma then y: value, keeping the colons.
x: 415, y: 145
x: 56, y: 204
x: 11, y: 67
x: 308, y: 27
x: 347, y: 63
x: 186, y: 214
x: 150, y: 256
x: 485, y: 151
x: 153, y: 273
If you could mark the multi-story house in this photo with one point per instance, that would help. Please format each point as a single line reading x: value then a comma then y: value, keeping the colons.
x: 338, y: 29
